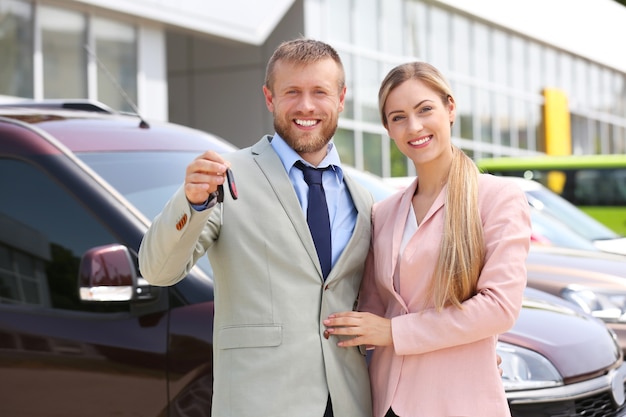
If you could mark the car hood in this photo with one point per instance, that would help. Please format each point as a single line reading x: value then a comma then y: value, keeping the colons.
x: 573, y: 260
x: 612, y: 245
x: 545, y: 326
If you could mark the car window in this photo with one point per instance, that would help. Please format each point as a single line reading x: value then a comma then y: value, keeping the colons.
x: 44, y: 231
x: 563, y: 211
x: 147, y: 179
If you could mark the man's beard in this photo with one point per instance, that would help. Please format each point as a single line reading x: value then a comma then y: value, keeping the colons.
x: 305, y: 142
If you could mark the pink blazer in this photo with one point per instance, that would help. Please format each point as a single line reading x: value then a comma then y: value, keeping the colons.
x: 444, y: 364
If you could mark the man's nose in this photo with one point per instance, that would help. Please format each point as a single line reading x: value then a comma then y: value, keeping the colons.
x: 306, y: 103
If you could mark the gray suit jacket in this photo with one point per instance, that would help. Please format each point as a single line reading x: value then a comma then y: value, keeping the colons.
x: 270, y: 356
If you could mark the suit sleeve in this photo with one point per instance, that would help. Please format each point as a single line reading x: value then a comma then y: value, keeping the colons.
x: 176, y: 239
x: 496, y: 306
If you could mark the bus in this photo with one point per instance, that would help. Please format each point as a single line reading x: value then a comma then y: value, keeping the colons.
x: 594, y: 183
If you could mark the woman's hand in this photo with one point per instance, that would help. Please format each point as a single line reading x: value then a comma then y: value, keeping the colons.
x: 368, y: 329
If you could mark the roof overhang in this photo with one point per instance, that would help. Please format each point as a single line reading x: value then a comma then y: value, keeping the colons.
x: 240, y: 20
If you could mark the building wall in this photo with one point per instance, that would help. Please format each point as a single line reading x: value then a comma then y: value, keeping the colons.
x: 500, y: 63
x: 498, y: 55
x: 216, y: 84
x: 560, y: 23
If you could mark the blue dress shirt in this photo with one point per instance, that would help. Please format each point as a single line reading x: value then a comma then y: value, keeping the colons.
x: 341, y: 208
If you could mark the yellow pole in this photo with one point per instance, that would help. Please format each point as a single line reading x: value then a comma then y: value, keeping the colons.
x: 558, y: 132
x: 557, y: 122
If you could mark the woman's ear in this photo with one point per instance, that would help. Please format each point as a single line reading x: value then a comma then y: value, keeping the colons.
x: 451, y: 109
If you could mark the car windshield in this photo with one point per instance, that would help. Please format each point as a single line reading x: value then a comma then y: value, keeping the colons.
x: 145, y: 179
x: 562, y: 211
x: 557, y: 233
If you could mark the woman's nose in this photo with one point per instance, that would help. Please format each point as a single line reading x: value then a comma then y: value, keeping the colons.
x: 415, y: 124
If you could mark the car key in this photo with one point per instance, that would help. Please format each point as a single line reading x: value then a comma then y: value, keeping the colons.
x: 232, y: 187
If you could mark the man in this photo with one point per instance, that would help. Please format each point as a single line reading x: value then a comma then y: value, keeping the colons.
x: 271, y: 357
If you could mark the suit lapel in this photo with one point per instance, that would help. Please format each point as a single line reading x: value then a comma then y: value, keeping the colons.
x: 272, y: 167
x: 362, y: 228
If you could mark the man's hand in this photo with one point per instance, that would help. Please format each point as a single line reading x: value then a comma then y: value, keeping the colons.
x: 204, y: 174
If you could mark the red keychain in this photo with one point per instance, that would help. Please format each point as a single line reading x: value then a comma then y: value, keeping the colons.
x: 231, y: 187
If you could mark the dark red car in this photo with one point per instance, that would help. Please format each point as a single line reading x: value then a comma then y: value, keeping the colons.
x: 81, y: 333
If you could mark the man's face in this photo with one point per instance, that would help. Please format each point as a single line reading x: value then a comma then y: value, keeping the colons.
x: 306, y: 101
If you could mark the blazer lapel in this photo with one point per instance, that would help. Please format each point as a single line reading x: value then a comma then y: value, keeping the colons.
x: 272, y: 167
x: 413, y: 245
x: 400, y: 224
x: 363, y: 204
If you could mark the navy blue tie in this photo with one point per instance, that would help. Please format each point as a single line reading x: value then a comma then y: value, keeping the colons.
x: 317, y: 215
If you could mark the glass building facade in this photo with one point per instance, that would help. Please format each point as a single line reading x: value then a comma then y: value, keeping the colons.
x: 498, y: 78
x: 52, y: 52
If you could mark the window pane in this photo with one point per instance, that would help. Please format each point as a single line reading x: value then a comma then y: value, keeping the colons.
x: 42, y: 266
x: 417, y: 24
x: 394, y: 38
x: 348, y: 109
x: 461, y: 41
x: 550, y: 70
x: 485, y: 113
x: 399, y: 167
x: 16, y: 40
x: 464, y: 119
x: 535, y: 65
x: 439, y: 35
x: 117, y: 54
x: 339, y: 26
x: 64, y: 63
x: 344, y: 141
x: 372, y: 153
x: 367, y: 81
x: 518, y: 64
x: 500, y: 58
x: 367, y: 24
x: 481, y: 52
x: 502, y: 119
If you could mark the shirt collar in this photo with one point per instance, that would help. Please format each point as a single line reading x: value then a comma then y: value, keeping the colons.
x: 289, y: 157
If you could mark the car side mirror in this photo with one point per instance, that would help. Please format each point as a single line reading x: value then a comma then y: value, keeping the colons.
x: 107, y: 273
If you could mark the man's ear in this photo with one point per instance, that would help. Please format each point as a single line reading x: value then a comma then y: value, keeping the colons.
x: 268, y: 99
x: 342, y: 98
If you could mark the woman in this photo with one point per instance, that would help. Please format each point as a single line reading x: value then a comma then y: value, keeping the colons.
x: 446, y: 269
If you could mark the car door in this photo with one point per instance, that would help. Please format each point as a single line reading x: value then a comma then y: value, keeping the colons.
x: 60, y: 356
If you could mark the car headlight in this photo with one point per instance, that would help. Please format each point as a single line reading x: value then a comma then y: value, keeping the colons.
x: 524, y: 369
x: 609, y: 307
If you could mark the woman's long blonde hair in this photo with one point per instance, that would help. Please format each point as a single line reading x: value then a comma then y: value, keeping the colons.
x: 462, y: 252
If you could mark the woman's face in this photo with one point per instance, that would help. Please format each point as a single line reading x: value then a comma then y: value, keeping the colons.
x: 418, y: 121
